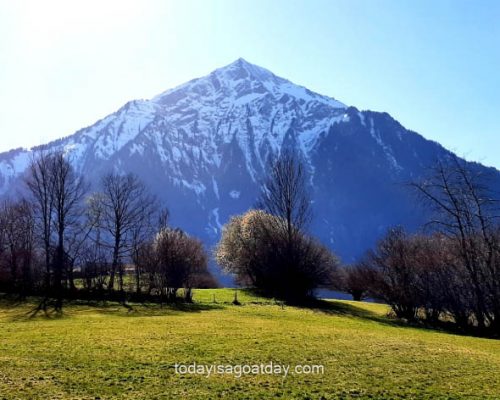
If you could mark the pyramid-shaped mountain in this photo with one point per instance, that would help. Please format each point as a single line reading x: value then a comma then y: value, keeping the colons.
x: 203, y: 148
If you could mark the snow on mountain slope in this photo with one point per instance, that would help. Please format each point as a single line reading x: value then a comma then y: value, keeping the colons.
x: 203, y: 147
x: 196, y: 117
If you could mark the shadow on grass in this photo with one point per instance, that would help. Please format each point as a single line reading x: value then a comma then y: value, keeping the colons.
x: 351, y: 310
x: 18, y: 307
x: 150, y: 309
x: 18, y: 310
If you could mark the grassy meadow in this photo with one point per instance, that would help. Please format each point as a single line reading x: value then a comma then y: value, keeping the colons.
x: 106, y: 351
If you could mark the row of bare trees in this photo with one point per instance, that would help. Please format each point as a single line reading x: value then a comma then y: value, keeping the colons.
x: 63, y: 240
x: 451, y: 273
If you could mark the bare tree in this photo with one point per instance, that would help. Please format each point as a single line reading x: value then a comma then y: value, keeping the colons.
x: 40, y: 184
x: 17, y: 233
x: 393, y: 260
x: 141, y: 235
x: 467, y: 213
x: 94, y: 267
x: 284, y: 194
x: 69, y: 189
x: 123, y: 206
x: 57, y: 193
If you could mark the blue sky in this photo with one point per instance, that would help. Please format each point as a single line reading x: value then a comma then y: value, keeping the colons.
x: 433, y: 65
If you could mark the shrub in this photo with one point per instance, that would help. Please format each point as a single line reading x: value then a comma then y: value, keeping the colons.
x: 356, y: 280
x: 254, y: 249
x: 424, y: 277
x: 180, y: 260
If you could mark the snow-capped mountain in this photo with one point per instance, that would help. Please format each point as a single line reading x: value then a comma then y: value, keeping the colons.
x: 203, y: 148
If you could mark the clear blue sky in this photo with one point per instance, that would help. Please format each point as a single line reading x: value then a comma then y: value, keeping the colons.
x: 434, y: 65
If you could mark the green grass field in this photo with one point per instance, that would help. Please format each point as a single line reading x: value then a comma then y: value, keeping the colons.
x: 106, y: 351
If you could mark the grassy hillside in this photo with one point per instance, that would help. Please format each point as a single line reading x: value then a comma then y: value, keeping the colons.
x: 107, y: 351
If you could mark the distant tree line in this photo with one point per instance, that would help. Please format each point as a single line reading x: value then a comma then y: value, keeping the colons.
x: 450, y: 275
x: 63, y: 241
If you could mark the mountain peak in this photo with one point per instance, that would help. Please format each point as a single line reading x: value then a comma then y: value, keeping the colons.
x: 241, y: 81
x: 242, y: 69
x: 241, y: 63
